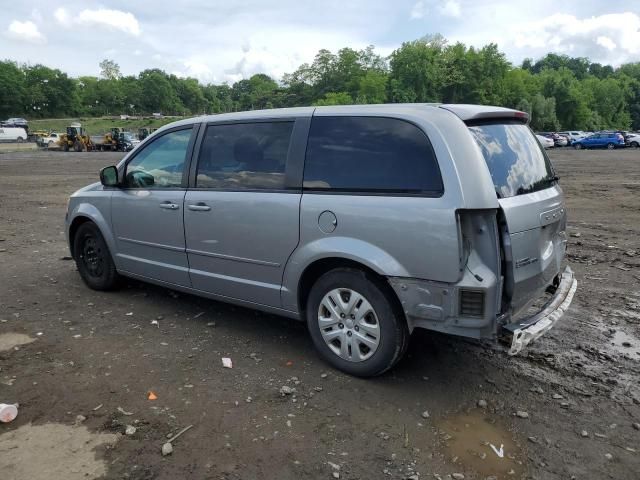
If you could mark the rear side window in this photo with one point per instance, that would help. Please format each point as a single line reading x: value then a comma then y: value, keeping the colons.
x: 370, y: 154
x: 517, y: 163
x: 244, y: 156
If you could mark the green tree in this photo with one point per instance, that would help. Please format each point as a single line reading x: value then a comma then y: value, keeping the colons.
x: 109, y: 70
x: 417, y: 72
x: 331, y: 98
x: 12, y: 90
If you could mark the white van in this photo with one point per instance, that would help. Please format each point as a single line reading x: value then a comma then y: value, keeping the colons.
x: 12, y: 134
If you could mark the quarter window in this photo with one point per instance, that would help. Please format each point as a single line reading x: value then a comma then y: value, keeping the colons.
x: 370, y: 154
x: 161, y: 163
x: 244, y: 156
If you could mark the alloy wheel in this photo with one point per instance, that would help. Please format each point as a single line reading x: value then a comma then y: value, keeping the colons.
x: 349, y: 325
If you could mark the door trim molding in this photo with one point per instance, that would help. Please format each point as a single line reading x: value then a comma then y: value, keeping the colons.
x: 151, y: 244
x: 233, y: 258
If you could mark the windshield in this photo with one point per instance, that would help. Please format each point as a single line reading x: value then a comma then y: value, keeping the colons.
x: 517, y: 163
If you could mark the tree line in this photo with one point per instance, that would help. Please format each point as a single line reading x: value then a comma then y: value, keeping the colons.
x: 558, y: 91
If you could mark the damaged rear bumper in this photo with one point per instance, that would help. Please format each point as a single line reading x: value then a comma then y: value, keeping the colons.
x: 521, y: 333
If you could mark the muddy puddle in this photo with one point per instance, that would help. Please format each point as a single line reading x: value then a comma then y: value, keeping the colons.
x: 478, y: 444
x: 10, y: 340
x: 622, y: 342
x: 51, y: 451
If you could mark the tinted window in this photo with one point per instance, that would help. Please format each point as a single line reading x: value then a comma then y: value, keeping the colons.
x: 515, y: 159
x: 244, y: 156
x: 370, y: 154
x: 161, y: 163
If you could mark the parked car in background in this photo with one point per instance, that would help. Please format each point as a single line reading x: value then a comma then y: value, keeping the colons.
x: 633, y: 140
x: 13, y: 134
x: 608, y: 140
x: 128, y: 141
x: 573, y: 135
x: 566, y: 138
x: 49, y: 141
x: 558, y: 140
x: 16, y: 122
x: 546, y: 142
x: 297, y: 212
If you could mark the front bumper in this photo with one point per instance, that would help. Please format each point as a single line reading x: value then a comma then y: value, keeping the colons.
x: 521, y: 333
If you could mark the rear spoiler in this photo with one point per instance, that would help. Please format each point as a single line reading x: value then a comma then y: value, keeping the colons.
x: 475, y: 113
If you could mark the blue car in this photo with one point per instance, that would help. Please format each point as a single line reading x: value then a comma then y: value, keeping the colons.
x: 608, y: 140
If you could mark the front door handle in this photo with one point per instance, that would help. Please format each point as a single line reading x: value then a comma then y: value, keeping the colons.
x: 199, y: 207
x: 169, y: 206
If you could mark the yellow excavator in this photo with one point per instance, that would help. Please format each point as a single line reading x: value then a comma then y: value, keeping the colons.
x: 110, y: 140
x: 76, y: 139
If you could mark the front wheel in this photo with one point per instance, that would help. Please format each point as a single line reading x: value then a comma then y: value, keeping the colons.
x: 578, y: 146
x: 610, y: 146
x: 93, y: 258
x: 354, y: 323
x: 635, y: 144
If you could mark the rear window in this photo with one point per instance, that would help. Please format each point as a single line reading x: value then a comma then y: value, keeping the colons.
x: 517, y: 163
x: 370, y: 154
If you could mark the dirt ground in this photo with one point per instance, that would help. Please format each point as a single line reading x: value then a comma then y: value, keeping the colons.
x: 78, y: 359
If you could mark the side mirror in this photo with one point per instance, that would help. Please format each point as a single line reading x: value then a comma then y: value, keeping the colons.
x: 109, y: 176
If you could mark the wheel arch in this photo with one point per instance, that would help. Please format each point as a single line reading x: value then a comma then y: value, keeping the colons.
x: 319, y: 267
x: 84, y: 213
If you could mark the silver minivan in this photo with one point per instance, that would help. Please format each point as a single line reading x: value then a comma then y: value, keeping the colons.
x: 366, y: 222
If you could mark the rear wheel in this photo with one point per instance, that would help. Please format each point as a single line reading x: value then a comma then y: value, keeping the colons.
x: 610, y: 146
x: 93, y: 258
x: 20, y: 139
x: 578, y: 146
x: 635, y: 144
x: 354, y: 323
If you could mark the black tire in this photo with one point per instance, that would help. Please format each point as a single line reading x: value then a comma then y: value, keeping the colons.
x: 93, y: 258
x: 20, y: 139
x: 610, y: 146
x: 394, y: 335
x: 578, y: 146
x: 65, y: 147
x: 635, y: 144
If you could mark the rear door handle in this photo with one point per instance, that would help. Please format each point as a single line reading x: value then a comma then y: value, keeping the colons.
x: 169, y: 206
x: 199, y: 207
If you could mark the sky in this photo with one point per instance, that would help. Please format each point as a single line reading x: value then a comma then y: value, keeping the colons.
x: 220, y: 41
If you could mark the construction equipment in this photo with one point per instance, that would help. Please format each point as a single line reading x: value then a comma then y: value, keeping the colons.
x: 112, y: 140
x: 144, y: 132
x: 76, y: 139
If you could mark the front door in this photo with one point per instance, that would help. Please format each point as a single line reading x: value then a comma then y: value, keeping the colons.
x: 147, y: 212
x: 241, y: 217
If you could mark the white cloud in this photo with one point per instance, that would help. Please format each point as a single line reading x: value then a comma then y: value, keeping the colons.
x: 61, y: 15
x: 610, y: 38
x: 606, y: 42
x: 451, y: 8
x: 25, y: 31
x: 103, y: 17
x: 419, y: 10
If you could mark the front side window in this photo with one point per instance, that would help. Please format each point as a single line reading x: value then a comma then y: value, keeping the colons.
x: 244, y: 156
x: 370, y: 154
x: 517, y: 163
x: 161, y: 163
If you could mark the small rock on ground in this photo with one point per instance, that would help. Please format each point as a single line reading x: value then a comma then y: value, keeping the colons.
x: 458, y: 476
x: 522, y: 414
x: 167, y: 449
x: 482, y: 403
